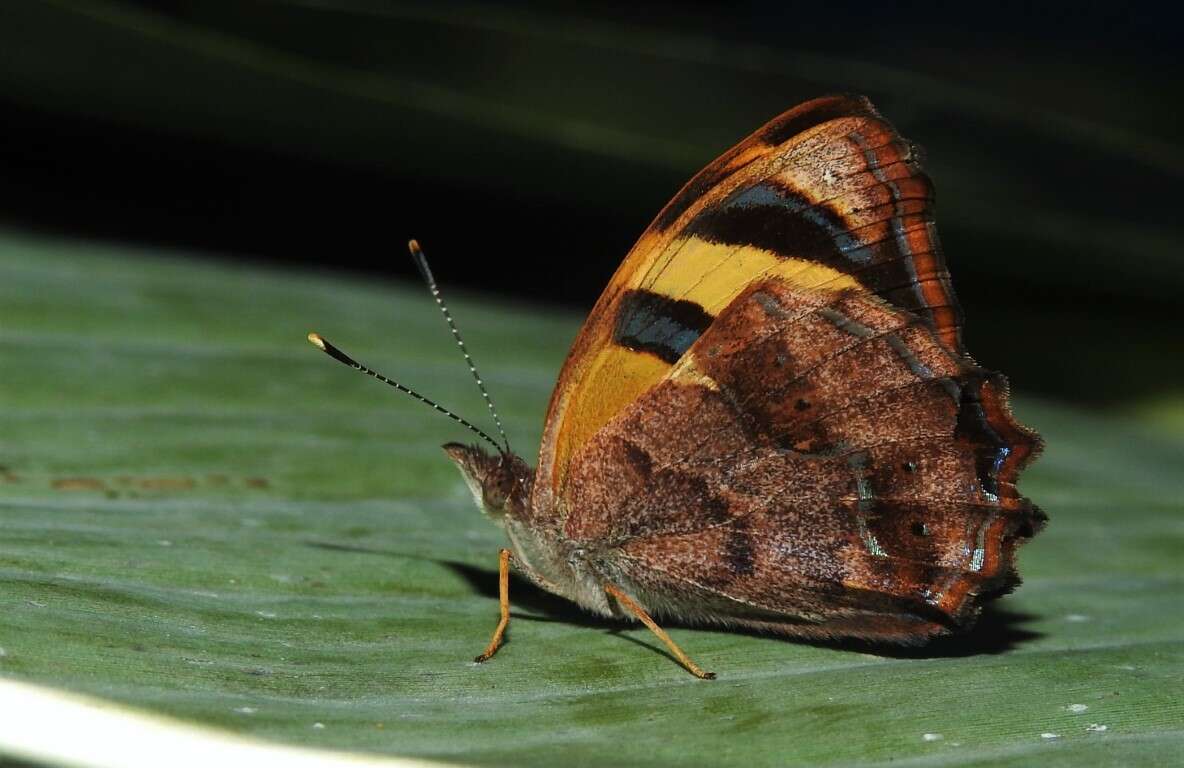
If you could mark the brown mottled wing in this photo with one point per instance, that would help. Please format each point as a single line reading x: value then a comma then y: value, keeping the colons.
x: 826, y: 196
x: 818, y: 462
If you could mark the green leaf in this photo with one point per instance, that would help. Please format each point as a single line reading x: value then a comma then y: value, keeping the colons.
x: 202, y: 516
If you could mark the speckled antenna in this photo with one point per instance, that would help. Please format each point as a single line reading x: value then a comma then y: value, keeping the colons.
x: 320, y: 343
x: 421, y: 261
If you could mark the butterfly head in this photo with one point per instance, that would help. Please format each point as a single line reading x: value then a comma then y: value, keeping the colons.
x: 498, y: 481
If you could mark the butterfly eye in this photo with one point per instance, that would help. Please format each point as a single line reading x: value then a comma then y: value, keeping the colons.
x: 495, y: 498
x: 497, y: 488
x: 920, y: 529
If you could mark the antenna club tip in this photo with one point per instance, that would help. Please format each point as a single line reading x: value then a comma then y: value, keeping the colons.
x: 315, y: 339
x: 413, y: 246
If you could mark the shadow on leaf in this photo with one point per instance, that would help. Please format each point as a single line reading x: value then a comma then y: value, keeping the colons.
x: 543, y: 606
x: 998, y: 630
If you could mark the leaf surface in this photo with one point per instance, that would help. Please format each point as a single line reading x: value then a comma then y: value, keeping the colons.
x: 202, y: 516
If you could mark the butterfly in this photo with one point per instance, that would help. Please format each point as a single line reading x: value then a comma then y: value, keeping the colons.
x: 768, y: 420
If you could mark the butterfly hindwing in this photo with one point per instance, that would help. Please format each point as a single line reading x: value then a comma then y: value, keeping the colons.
x: 817, y: 462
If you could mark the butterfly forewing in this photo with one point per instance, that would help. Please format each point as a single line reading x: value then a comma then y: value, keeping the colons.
x: 826, y: 197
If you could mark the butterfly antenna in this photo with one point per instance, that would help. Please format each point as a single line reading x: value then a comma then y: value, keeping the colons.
x: 421, y: 261
x: 335, y: 353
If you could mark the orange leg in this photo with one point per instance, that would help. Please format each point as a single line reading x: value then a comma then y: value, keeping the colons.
x: 503, y: 585
x: 644, y: 618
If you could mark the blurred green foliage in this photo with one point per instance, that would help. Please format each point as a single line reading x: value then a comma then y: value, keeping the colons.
x: 1056, y: 162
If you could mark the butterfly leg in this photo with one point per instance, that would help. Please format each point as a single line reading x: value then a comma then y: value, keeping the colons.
x: 640, y: 614
x: 503, y: 591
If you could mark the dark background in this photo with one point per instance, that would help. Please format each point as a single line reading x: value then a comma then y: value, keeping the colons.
x: 528, y: 144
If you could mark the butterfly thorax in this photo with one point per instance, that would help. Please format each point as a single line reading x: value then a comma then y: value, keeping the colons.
x: 502, y: 486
